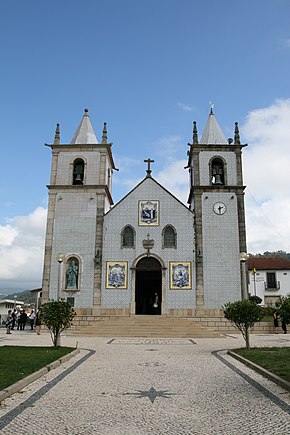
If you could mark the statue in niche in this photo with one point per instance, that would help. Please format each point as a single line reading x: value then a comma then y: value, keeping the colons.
x: 72, y: 273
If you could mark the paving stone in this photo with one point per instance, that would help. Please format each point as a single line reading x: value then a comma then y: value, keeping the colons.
x: 140, y: 386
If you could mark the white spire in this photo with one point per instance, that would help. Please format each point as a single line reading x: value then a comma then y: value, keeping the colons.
x: 85, y: 133
x: 212, y: 133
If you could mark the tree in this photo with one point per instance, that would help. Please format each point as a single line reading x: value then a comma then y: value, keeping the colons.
x: 280, y: 253
x: 243, y: 315
x: 57, y: 316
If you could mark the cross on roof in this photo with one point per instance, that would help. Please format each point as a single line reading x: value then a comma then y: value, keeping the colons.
x: 148, y: 161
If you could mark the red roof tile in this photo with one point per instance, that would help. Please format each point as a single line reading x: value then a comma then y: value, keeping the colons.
x: 268, y: 263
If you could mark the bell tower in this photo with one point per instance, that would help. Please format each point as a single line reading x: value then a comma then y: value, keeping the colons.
x: 79, y: 194
x: 217, y: 199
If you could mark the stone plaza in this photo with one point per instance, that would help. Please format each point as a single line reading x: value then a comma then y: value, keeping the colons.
x: 140, y: 386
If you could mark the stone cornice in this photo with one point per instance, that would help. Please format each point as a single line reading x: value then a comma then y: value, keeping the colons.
x: 199, y: 190
x: 214, y: 147
x: 98, y: 189
x: 84, y: 147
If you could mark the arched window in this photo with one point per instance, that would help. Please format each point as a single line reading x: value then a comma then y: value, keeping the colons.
x: 128, y: 237
x: 217, y: 172
x: 72, y: 274
x: 169, y: 237
x: 78, y: 172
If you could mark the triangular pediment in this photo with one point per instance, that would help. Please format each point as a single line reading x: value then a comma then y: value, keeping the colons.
x: 150, y: 190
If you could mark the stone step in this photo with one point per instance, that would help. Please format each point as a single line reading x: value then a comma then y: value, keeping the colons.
x: 157, y: 326
x: 142, y: 326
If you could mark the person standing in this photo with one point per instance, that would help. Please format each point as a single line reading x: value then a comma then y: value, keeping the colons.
x: 276, y: 323
x: 22, y: 320
x: 8, y: 322
x: 156, y: 303
x: 14, y: 318
x: 18, y: 319
x: 32, y: 319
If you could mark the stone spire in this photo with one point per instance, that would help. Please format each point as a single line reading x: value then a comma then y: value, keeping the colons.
x: 237, y: 135
x: 57, y: 135
x: 212, y: 133
x: 104, y: 136
x: 195, y: 136
x: 85, y: 133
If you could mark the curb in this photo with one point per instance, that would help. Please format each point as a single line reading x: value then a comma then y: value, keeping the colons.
x: 15, y: 388
x: 274, y: 378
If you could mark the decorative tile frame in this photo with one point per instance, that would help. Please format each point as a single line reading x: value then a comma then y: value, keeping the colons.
x: 180, y: 275
x: 116, y: 274
x: 148, y: 213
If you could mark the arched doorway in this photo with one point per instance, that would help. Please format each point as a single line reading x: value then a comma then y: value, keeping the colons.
x: 148, y: 282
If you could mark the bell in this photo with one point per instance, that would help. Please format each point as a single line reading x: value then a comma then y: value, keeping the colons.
x: 78, y: 179
x: 218, y: 179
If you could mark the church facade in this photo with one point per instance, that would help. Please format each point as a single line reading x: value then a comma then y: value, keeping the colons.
x: 149, y: 253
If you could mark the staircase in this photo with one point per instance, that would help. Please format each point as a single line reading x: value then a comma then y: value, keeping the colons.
x: 145, y: 326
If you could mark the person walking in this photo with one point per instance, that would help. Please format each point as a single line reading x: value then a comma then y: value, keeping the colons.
x: 38, y: 322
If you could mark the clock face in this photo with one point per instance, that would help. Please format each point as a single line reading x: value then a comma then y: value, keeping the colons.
x: 219, y: 208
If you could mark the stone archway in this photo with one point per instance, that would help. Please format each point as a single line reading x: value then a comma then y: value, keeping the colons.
x: 148, y: 282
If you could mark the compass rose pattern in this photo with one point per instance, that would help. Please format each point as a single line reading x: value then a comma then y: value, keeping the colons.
x: 152, y: 394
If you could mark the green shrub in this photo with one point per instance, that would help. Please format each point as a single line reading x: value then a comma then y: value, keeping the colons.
x: 243, y: 315
x: 57, y: 316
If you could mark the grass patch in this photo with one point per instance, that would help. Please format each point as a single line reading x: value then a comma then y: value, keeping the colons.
x: 273, y: 359
x: 17, y: 362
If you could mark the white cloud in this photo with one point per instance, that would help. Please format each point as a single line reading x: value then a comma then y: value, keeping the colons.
x: 21, y: 250
x: 267, y: 176
x: 175, y: 179
x: 169, y: 148
x: 285, y: 43
x: 185, y: 107
x: 172, y: 175
x: 7, y: 235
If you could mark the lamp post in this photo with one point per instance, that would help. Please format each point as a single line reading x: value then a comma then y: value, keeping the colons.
x: 15, y: 297
x: 243, y: 259
x: 60, y: 259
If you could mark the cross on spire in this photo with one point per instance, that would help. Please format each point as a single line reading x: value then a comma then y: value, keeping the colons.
x: 148, y: 161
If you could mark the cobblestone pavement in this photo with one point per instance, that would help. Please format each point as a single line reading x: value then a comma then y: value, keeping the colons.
x: 148, y: 386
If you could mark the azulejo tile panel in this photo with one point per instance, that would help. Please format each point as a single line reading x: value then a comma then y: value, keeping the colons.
x: 116, y: 274
x: 180, y: 275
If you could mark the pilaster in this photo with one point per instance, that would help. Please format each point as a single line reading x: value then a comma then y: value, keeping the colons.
x: 98, y: 250
x: 48, y: 247
x: 198, y: 251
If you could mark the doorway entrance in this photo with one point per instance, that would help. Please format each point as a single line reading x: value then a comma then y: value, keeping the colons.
x: 148, y: 282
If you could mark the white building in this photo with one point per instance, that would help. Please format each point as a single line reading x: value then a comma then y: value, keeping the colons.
x: 9, y: 304
x: 269, y: 278
x: 115, y: 258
